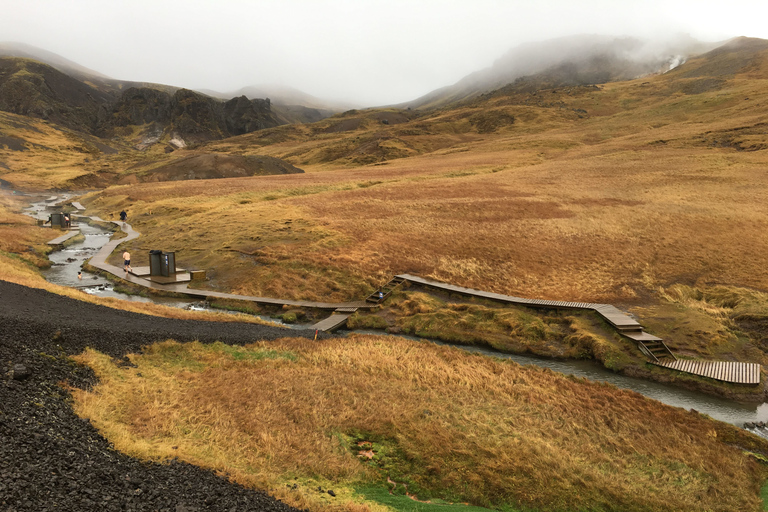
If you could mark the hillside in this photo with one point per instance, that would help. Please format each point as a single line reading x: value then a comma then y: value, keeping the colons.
x: 34, y: 89
x: 569, y: 61
x: 606, y: 191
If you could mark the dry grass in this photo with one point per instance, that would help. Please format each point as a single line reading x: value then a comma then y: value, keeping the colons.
x: 641, y: 193
x: 720, y: 322
x: 451, y: 425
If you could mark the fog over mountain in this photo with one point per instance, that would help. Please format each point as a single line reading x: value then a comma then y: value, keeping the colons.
x: 343, y: 51
x: 572, y: 60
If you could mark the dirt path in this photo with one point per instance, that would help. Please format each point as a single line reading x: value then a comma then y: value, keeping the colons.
x: 52, y: 460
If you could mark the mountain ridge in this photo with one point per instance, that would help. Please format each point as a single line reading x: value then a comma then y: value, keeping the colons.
x: 607, y: 58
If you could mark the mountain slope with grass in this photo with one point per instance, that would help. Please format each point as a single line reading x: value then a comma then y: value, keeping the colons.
x: 35, y: 89
x: 649, y: 194
x: 572, y: 61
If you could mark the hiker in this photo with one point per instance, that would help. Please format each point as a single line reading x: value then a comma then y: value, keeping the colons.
x: 66, y: 221
x: 123, y: 216
x: 127, y: 262
x: 80, y: 275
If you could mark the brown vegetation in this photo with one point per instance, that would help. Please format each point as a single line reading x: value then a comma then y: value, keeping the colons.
x: 451, y: 425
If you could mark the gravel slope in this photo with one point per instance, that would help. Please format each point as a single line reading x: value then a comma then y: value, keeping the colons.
x: 52, y: 460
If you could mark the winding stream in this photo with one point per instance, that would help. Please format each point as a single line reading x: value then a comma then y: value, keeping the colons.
x: 68, y: 262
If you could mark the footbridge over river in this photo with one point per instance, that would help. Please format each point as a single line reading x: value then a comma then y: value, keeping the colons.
x: 652, y: 347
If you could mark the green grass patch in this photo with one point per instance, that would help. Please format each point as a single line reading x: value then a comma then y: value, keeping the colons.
x: 239, y: 353
x: 358, y: 321
x: 764, y: 495
x: 403, y: 503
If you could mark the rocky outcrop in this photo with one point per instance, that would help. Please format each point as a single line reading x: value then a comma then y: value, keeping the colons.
x: 244, y: 116
x: 188, y: 115
x: 30, y: 88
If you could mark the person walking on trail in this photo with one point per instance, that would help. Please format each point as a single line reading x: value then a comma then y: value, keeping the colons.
x: 123, y: 216
x: 127, y: 262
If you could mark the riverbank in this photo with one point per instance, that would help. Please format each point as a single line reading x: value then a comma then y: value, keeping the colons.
x: 49, y: 456
x: 562, y: 335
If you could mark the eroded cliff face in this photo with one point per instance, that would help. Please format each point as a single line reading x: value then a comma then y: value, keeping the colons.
x: 188, y: 115
x: 34, y: 89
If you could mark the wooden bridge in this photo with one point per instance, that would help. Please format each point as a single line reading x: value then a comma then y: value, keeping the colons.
x: 727, y: 371
x: 651, y: 346
x: 63, y: 238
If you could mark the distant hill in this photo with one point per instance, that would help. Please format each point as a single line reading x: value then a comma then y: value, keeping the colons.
x: 208, y: 166
x: 574, y: 60
x: 739, y: 56
x: 286, y: 105
x: 32, y: 88
x: 73, y: 69
x: 289, y: 105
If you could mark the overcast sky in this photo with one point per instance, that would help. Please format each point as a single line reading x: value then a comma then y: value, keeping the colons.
x: 370, y: 52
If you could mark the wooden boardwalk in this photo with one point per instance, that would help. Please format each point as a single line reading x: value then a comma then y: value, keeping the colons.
x: 99, y: 261
x: 726, y: 371
x: 63, y: 238
x: 651, y: 346
x: 615, y: 317
x: 78, y: 206
x: 333, y: 322
x: 742, y: 373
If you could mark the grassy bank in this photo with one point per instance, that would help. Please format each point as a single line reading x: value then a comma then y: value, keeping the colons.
x: 434, y: 422
x: 691, y: 328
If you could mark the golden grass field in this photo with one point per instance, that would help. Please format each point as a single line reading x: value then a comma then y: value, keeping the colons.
x: 450, y: 425
x: 624, y: 193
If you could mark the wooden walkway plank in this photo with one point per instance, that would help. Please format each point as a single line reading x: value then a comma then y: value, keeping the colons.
x: 726, y: 371
x: 333, y: 322
x: 63, y: 238
x: 612, y: 315
x: 720, y: 370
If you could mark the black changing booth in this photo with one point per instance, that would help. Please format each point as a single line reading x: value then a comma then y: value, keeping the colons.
x: 58, y: 220
x: 162, y: 263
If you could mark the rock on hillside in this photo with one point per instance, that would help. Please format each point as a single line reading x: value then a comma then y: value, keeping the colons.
x: 187, y: 114
x: 208, y: 166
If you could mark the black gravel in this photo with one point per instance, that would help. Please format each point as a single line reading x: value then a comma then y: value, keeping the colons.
x: 50, y: 459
